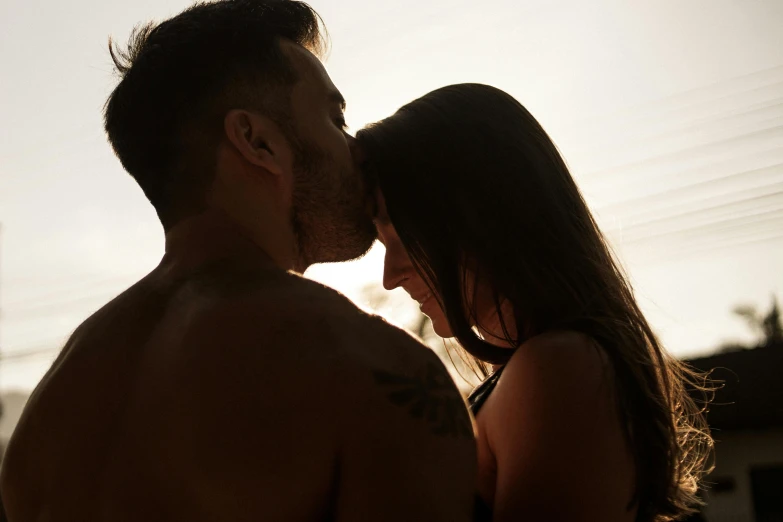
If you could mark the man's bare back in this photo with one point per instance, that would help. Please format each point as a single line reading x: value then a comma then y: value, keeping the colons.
x: 240, y: 393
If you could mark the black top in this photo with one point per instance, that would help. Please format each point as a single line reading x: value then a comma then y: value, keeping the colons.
x: 483, y: 512
x: 478, y: 396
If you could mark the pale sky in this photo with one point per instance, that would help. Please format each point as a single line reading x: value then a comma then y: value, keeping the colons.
x: 669, y: 113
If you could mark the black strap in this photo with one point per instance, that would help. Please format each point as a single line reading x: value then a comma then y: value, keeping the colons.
x: 481, y: 393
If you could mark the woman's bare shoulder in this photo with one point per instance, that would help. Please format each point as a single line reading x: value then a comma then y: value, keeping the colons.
x: 564, y: 372
x: 553, y: 425
x: 560, y: 351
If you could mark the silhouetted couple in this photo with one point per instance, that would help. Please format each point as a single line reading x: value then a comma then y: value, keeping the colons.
x: 226, y: 387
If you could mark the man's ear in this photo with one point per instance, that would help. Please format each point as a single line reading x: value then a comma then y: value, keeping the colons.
x: 258, y: 139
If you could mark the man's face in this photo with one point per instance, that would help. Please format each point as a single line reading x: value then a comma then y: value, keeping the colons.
x: 329, y: 204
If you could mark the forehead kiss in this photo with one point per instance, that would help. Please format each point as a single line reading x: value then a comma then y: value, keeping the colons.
x: 370, y: 190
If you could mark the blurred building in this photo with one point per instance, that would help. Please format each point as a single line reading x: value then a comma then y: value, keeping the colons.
x: 13, y: 404
x: 746, y: 418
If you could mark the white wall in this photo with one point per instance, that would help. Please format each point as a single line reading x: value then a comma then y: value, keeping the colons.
x: 736, y: 453
x: 13, y: 404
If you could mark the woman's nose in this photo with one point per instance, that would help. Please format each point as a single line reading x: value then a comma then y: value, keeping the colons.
x: 396, y: 268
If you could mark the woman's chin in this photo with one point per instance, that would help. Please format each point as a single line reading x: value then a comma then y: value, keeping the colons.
x: 441, y: 328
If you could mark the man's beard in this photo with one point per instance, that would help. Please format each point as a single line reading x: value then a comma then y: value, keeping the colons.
x: 328, y: 210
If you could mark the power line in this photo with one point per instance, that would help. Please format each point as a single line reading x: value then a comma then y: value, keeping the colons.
x: 723, y: 100
x: 766, y: 158
x: 678, y: 103
x: 777, y: 71
x: 112, y: 286
x: 732, y: 114
x: 48, y: 309
x: 673, y: 193
x: 685, y: 152
x: 702, y: 250
x: 770, y: 199
x: 66, y: 288
x: 38, y: 351
x: 671, y: 103
x: 728, y: 118
x: 742, y: 223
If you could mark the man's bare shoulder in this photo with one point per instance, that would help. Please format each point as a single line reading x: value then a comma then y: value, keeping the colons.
x: 290, y: 309
x: 326, y: 342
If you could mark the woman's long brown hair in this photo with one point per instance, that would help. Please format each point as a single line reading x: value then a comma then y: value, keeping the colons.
x: 470, y: 178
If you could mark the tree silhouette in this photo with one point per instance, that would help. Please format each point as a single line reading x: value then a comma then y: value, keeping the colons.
x: 767, y: 326
x: 773, y: 328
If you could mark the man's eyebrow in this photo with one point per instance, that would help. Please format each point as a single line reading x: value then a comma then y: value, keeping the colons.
x: 336, y: 97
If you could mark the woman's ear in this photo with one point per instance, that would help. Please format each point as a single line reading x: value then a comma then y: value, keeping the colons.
x: 258, y: 140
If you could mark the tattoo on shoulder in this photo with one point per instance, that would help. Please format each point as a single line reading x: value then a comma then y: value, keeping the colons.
x: 431, y: 396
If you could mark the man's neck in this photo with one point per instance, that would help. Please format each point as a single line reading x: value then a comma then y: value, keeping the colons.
x: 212, y: 236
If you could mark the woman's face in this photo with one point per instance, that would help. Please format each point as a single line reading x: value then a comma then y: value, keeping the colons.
x: 398, y: 271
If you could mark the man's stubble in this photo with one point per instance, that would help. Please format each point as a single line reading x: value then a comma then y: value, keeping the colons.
x: 328, y: 212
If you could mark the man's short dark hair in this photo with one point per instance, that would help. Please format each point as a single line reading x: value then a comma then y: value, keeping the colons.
x: 181, y: 76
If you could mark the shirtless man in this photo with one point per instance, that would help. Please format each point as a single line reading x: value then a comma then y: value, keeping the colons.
x: 224, y: 386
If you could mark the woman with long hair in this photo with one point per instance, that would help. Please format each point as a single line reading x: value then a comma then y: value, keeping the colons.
x: 582, y: 415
